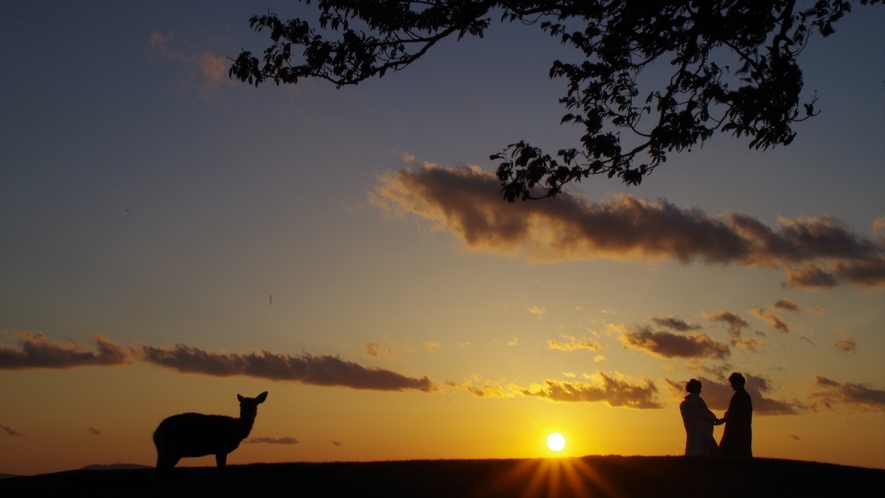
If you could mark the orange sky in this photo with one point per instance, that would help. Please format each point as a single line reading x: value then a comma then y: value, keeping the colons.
x: 169, y: 239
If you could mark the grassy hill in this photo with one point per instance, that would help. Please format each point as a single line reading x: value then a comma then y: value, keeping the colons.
x: 592, y: 476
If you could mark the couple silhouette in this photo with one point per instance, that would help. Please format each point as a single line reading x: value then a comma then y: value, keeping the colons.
x: 737, y: 439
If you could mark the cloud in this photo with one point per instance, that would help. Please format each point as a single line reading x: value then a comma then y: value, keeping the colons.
x: 430, y: 345
x: 734, y: 321
x: 486, y: 389
x: 718, y: 395
x: 466, y: 201
x: 719, y: 369
x: 211, y: 69
x: 373, y: 349
x: 573, y: 344
x: 847, y: 342
x: 513, y: 342
x: 668, y: 345
x: 36, y: 351
x: 809, y: 275
x: 461, y: 345
x: 749, y: 344
x: 770, y: 318
x: 536, y: 310
x: 95, y: 432
x: 614, y: 391
x: 795, y: 437
x: 671, y: 322
x: 319, y: 370
x: 272, y: 440
x: 9, y: 431
x: 336, y: 443
x: 786, y: 305
x: 879, y: 224
x: 857, y: 396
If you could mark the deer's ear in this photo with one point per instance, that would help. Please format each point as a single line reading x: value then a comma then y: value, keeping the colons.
x: 261, y: 397
x: 240, y: 398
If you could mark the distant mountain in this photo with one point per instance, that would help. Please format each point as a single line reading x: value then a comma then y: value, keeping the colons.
x: 116, y: 466
x: 7, y: 476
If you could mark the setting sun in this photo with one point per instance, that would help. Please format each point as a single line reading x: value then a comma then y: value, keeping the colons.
x: 556, y: 441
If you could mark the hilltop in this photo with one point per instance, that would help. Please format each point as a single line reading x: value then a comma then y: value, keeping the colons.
x: 591, y: 476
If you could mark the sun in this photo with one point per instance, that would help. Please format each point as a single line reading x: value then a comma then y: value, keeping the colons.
x: 556, y: 441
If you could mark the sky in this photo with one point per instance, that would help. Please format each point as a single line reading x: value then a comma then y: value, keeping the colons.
x: 170, y: 238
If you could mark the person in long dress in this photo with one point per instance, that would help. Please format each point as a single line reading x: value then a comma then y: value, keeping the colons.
x: 737, y: 439
x: 698, y: 421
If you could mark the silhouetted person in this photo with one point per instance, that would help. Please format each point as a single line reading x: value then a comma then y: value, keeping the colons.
x: 698, y: 421
x: 737, y: 440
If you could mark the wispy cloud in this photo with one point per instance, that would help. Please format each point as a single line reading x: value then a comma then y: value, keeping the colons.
x: 36, y: 351
x: 669, y: 345
x: 513, y: 342
x: 320, y: 370
x: 750, y: 343
x: 372, y: 349
x: 615, y: 391
x: 846, y: 342
x: 207, y: 71
x: 336, y: 443
x: 9, y: 431
x: 573, y: 344
x: 467, y: 202
x: 770, y: 318
x: 272, y: 440
x: 734, y: 321
x: 735, y: 325
x: 485, y: 389
x: 857, y: 396
x: 671, y: 322
x: 430, y: 345
x: 809, y: 275
x: 536, y: 310
x: 95, y: 432
x: 786, y: 305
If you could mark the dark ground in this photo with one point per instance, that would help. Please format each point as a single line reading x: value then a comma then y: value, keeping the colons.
x: 593, y: 476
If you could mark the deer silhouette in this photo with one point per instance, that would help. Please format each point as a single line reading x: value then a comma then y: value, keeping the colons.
x: 196, y: 435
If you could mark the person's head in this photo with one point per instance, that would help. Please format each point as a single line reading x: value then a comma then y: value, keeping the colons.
x: 693, y: 386
x: 737, y: 381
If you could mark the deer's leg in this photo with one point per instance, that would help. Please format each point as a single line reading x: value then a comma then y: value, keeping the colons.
x: 164, y: 465
x: 221, y: 461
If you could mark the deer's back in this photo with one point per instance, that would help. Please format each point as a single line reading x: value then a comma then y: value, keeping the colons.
x: 195, y: 434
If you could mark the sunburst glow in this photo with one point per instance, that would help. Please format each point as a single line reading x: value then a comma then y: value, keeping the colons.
x: 556, y: 441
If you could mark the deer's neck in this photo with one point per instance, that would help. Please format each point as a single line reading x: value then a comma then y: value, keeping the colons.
x: 245, y: 424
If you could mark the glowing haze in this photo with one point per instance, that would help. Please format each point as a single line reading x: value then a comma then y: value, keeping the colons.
x: 170, y: 239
